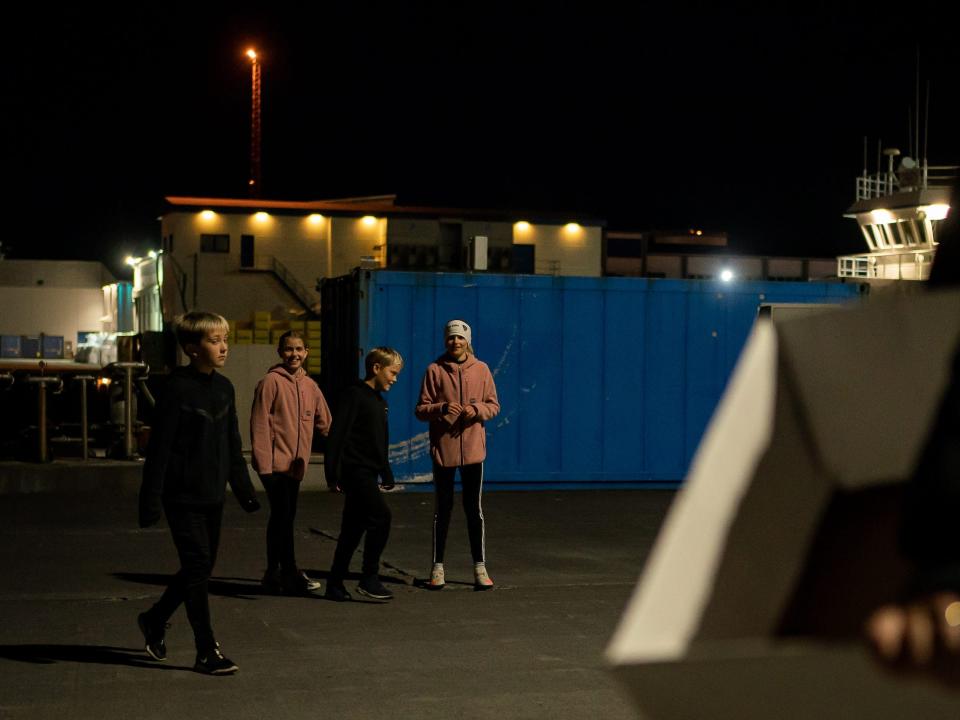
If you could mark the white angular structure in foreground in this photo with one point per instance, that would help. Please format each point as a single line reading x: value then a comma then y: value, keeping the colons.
x: 784, y: 536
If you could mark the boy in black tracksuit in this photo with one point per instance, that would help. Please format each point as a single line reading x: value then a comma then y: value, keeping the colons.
x: 194, y: 451
x: 356, y: 456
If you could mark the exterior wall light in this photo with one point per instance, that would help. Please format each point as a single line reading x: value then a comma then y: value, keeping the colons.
x: 936, y: 212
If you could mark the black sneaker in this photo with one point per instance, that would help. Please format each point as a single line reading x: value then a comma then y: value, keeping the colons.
x: 153, y: 636
x: 214, y: 663
x: 371, y: 586
x: 337, y: 593
x: 271, y: 581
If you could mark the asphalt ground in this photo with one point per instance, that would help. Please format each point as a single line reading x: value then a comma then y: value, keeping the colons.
x: 77, y: 571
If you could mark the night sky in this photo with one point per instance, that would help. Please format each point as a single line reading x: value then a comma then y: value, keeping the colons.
x: 744, y: 121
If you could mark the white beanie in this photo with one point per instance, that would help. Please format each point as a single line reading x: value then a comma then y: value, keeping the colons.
x: 457, y: 327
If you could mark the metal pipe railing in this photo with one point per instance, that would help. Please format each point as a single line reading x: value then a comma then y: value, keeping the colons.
x: 84, y: 428
x: 42, y: 381
x: 126, y: 370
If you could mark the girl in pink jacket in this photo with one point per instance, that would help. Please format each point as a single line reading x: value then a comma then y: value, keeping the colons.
x: 457, y: 397
x: 287, y: 407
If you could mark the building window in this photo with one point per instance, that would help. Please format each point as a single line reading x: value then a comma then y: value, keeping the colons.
x: 215, y: 243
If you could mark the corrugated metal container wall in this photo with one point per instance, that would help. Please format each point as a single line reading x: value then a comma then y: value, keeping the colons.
x: 599, y: 379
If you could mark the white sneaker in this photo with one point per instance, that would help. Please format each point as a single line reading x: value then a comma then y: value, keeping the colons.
x: 437, y: 580
x: 481, y: 581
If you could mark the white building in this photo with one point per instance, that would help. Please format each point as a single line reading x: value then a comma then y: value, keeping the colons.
x: 60, y: 298
x: 243, y: 255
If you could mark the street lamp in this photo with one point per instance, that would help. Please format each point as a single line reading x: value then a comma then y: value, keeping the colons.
x: 254, y: 181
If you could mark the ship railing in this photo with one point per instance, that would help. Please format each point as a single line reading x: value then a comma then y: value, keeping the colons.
x: 881, y: 184
x: 876, y: 185
x: 887, y: 265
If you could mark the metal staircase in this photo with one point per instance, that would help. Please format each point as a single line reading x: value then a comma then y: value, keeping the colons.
x: 306, y: 298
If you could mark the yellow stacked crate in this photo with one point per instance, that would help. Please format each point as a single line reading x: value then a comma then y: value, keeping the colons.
x: 313, y: 336
x: 241, y: 332
x: 278, y: 328
x: 261, y: 327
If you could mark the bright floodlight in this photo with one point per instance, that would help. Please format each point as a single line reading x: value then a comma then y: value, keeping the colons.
x: 937, y: 212
x: 252, y: 54
x: 726, y: 275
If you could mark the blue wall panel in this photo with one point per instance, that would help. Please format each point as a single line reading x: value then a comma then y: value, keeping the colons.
x: 624, y: 394
x: 664, y: 380
x: 599, y: 379
x: 541, y: 353
x: 581, y: 383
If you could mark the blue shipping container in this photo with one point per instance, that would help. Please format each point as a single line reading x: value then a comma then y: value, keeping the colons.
x: 53, y: 346
x: 10, y: 346
x: 599, y: 379
x: 30, y: 346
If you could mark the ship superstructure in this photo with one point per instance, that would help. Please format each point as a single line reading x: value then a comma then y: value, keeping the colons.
x: 898, y: 211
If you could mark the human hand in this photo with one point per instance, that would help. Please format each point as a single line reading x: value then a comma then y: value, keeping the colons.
x: 469, y: 412
x: 920, y: 636
x: 454, y: 409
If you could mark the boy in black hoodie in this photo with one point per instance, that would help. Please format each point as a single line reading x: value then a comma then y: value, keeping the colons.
x: 356, y: 457
x: 194, y: 451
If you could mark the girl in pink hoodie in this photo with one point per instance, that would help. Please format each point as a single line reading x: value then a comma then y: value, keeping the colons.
x: 287, y: 407
x: 457, y: 397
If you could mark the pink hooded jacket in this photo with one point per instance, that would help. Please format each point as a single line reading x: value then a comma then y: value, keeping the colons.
x: 286, y: 409
x: 454, y: 440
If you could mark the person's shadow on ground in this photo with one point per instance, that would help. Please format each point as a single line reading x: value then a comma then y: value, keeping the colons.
x: 41, y: 654
x: 239, y: 588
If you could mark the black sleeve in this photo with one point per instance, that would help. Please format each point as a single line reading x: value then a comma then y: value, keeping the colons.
x: 343, y: 420
x: 239, y: 478
x: 163, y: 433
x: 386, y: 474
